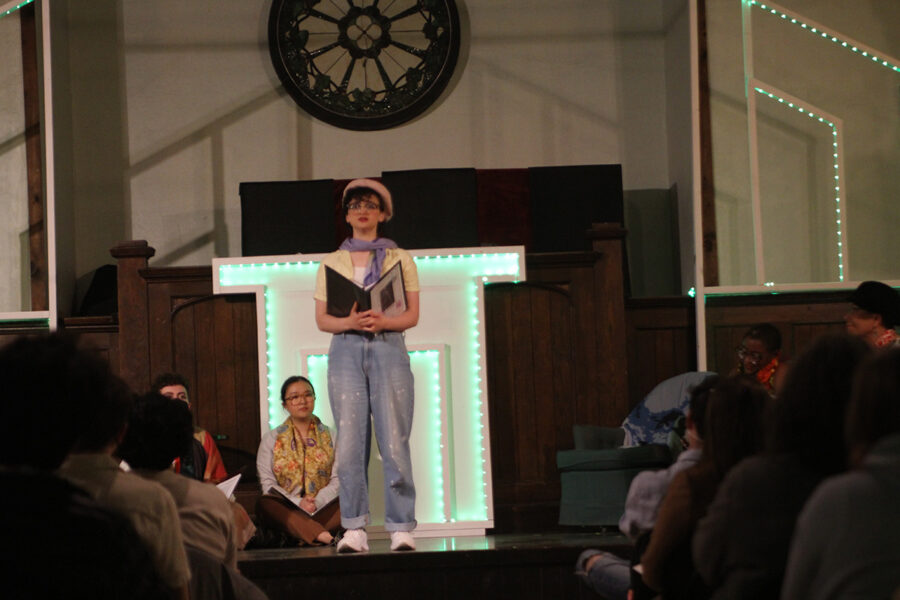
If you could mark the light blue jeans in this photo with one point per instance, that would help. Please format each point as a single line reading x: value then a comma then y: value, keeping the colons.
x: 369, y: 374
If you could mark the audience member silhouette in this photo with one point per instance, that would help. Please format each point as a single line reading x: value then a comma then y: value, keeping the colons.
x: 734, y: 418
x: 60, y: 543
x: 160, y: 429
x: 610, y: 575
x: 847, y: 538
x: 150, y: 508
x: 740, y: 547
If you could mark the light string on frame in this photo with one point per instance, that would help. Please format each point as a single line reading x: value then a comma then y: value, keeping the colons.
x: 835, y: 154
x: 826, y: 33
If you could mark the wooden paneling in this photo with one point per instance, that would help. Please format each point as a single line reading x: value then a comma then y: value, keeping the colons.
x: 800, y: 317
x: 100, y: 334
x: 212, y: 341
x: 37, y: 228
x: 170, y: 321
x: 556, y: 356
x: 661, y: 342
x: 707, y: 180
x: 530, y: 385
x: 134, y: 323
x: 214, y: 344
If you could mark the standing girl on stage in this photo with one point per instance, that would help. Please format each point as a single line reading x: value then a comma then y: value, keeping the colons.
x: 368, y: 372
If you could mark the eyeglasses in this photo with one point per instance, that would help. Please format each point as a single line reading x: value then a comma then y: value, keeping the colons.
x: 743, y: 353
x: 297, y: 398
x: 179, y: 396
x: 359, y: 206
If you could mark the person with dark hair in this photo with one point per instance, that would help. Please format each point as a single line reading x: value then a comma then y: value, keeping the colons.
x: 296, y: 467
x: 741, y: 545
x: 148, y: 505
x: 203, y: 460
x: 857, y: 555
x: 874, y: 314
x: 759, y: 355
x: 610, y: 575
x: 369, y: 373
x: 50, y: 389
x: 734, y: 419
x: 847, y: 539
x: 159, y: 431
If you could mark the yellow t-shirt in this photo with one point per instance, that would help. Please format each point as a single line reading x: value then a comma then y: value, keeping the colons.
x: 341, y: 262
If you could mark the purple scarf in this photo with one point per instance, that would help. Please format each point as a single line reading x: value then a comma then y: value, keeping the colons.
x: 379, y: 245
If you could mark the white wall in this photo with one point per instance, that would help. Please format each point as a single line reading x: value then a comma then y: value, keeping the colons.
x: 199, y: 111
x: 796, y: 178
x: 15, y: 293
x: 679, y: 131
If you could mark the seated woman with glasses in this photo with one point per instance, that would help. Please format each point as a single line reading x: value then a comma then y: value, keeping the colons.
x: 297, y: 470
x: 759, y: 355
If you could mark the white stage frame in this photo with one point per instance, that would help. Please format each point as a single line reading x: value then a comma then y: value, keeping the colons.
x: 450, y: 439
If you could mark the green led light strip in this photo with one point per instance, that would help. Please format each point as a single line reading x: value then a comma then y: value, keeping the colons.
x: 477, y: 404
x: 426, y: 365
x: 15, y: 8
x: 26, y: 321
x: 248, y: 274
x: 774, y: 95
x: 458, y: 279
x: 827, y: 34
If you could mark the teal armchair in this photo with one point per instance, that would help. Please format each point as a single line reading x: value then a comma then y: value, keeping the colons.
x: 596, y: 474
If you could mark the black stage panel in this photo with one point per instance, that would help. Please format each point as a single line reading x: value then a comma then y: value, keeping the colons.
x: 565, y: 201
x: 433, y: 208
x: 286, y: 217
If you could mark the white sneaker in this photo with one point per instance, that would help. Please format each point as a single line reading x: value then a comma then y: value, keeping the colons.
x: 402, y: 540
x: 353, y: 540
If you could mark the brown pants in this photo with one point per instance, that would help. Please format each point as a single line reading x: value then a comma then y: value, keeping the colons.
x: 278, y: 512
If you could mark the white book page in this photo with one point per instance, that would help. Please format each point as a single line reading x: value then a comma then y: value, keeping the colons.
x: 229, y: 485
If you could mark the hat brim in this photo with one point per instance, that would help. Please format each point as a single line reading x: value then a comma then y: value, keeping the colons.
x: 376, y: 186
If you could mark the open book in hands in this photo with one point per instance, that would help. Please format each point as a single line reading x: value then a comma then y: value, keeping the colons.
x: 386, y: 296
x: 277, y: 490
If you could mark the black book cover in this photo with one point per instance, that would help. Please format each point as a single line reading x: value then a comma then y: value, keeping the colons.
x: 387, y: 295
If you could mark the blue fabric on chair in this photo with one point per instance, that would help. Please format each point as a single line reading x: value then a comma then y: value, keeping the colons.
x: 651, y: 421
x: 595, y: 476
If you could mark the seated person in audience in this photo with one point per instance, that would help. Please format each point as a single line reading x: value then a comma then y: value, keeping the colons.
x: 847, y: 539
x: 297, y: 470
x: 64, y: 544
x: 741, y: 546
x: 149, y: 506
x: 610, y: 575
x: 874, y: 314
x: 159, y: 431
x: 759, y: 356
x: 734, y: 419
x: 204, y: 461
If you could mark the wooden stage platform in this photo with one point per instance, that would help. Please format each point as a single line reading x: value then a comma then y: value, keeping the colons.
x: 519, y: 566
